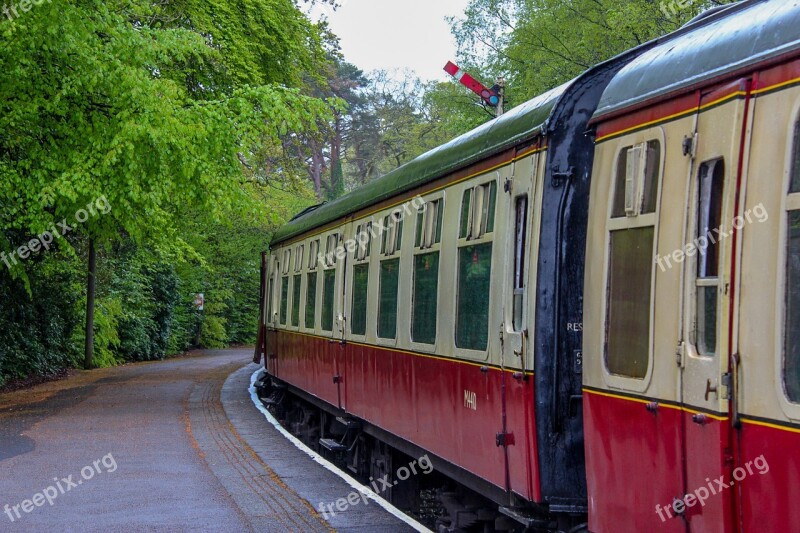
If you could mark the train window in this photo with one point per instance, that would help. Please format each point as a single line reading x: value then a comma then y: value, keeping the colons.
x: 795, y: 184
x: 298, y: 258
x: 284, y: 299
x: 364, y: 240
x: 358, y: 311
x: 425, y: 298
x: 472, y: 306
x: 477, y: 211
x: 328, y: 292
x: 387, y: 302
x: 271, y: 304
x: 430, y: 219
x: 791, y: 340
x: 331, y: 246
x: 296, y: 300
x: 628, y: 314
x: 287, y: 261
x: 392, y: 233
x: 791, y: 326
x: 637, y: 177
x: 487, y: 217
x: 618, y: 207
x: 520, y: 237
x: 652, y: 168
x: 273, y: 281
x: 466, y: 205
x: 709, y: 218
x: 313, y: 254
x: 311, y: 299
x: 398, y: 238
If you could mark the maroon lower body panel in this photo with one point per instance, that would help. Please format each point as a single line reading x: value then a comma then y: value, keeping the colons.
x: 452, y: 409
x: 633, y: 464
x: 770, y: 490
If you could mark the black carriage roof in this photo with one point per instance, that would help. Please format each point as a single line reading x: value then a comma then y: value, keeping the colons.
x: 757, y: 32
x: 525, y: 121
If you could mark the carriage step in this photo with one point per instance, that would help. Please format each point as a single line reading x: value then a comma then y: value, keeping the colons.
x: 270, y: 401
x: 276, y: 398
x: 332, y: 445
x: 349, y: 423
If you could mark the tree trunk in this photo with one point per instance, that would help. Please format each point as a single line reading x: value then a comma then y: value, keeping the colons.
x: 90, y: 293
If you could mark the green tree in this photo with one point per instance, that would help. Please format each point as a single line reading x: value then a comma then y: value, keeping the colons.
x: 540, y: 44
x: 156, y: 107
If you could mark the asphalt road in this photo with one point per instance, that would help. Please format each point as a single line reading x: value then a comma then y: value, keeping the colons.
x: 145, y: 447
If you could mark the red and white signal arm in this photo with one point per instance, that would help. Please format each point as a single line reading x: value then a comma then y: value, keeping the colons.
x: 489, y: 96
x: 199, y: 301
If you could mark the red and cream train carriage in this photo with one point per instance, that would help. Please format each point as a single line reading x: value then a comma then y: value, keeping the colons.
x: 573, y: 325
x: 691, y: 332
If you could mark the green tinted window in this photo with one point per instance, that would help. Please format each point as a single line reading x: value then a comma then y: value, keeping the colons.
x: 795, y: 185
x: 791, y: 340
x: 387, y: 305
x: 418, y: 238
x: 296, y: 300
x: 439, y: 221
x: 328, y: 292
x: 426, y: 286
x: 284, y: 299
x: 628, y: 314
x: 399, y: 239
x: 491, y: 207
x: 384, y: 233
x: 466, y: 205
x: 271, y: 300
x: 311, y: 299
x: 651, y: 172
x: 358, y: 312
x: 474, y: 276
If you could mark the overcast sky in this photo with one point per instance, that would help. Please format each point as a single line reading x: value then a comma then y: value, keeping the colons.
x: 396, y: 34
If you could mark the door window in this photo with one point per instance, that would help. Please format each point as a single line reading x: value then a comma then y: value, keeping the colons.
x: 791, y: 327
x: 709, y: 226
x: 631, y: 260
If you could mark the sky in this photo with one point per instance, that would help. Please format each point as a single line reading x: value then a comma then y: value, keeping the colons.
x: 396, y: 34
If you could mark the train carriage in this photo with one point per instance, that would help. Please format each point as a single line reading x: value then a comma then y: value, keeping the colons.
x: 690, y: 344
x: 440, y: 306
x: 582, y: 308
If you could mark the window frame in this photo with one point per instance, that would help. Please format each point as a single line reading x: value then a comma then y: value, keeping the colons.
x: 484, y: 237
x: 619, y: 223
x: 383, y: 252
x: 361, y: 258
x: 693, y: 262
x: 432, y: 234
x: 790, y: 202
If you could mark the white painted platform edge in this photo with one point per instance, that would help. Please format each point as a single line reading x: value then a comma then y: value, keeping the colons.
x: 328, y: 465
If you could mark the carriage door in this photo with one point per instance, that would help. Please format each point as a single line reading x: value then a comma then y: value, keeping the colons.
x: 517, y: 352
x: 272, y: 289
x: 332, y: 320
x: 704, y: 353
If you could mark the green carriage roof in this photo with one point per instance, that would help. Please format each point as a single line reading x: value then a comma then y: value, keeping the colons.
x: 525, y: 121
x: 753, y: 32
